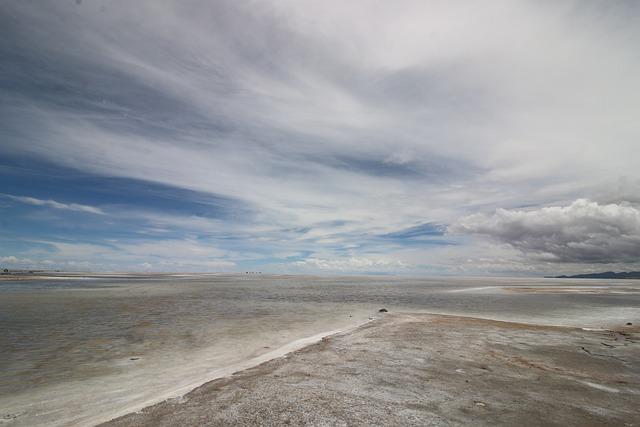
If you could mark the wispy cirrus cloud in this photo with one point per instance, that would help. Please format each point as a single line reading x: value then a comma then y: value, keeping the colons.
x: 55, y: 204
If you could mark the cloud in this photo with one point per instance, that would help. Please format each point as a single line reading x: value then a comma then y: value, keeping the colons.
x: 26, y: 262
x: 55, y: 204
x: 382, y: 117
x: 149, y: 254
x: 11, y: 260
x: 172, y: 249
x: 418, y: 232
x: 352, y: 264
x: 582, y: 232
x: 310, y: 118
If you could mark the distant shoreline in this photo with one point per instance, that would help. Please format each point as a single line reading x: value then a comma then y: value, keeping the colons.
x: 604, y: 275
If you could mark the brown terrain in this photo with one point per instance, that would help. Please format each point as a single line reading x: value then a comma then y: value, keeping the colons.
x: 420, y: 369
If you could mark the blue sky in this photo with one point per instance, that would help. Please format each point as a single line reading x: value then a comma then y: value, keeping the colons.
x: 320, y: 137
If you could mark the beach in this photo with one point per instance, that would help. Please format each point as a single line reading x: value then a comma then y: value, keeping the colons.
x: 99, y: 348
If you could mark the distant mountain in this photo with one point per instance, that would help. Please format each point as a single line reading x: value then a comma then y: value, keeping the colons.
x: 605, y: 275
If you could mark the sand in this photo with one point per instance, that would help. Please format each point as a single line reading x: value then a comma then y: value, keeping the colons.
x: 421, y: 369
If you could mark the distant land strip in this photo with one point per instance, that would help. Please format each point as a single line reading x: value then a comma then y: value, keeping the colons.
x: 605, y: 275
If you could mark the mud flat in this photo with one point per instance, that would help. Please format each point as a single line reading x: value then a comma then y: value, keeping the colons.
x: 421, y: 369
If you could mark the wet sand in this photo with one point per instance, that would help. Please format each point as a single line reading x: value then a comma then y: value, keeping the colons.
x: 421, y: 369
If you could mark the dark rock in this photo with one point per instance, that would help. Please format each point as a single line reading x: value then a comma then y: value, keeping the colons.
x: 134, y: 358
x: 629, y: 323
x: 383, y: 310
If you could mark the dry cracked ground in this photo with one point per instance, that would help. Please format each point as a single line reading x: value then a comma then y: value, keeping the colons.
x: 418, y: 369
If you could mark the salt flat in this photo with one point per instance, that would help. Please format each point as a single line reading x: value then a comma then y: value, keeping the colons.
x: 77, y: 350
x: 420, y: 369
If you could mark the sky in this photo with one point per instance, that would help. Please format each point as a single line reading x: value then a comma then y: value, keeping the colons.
x: 361, y: 137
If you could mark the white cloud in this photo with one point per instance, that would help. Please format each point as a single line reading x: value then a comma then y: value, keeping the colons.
x: 55, y: 204
x: 146, y: 266
x: 351, y: 264
x: 10, y: 260
x: 80, y: 251
x: 156, y: 255
x: 17, y: 262
x: 582, y: 232
x: 171, y: 249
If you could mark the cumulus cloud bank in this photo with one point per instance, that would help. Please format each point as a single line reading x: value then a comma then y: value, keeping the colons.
x: 582, y: 232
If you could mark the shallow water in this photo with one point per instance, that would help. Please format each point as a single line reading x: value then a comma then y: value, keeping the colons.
x: 76, y: 351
